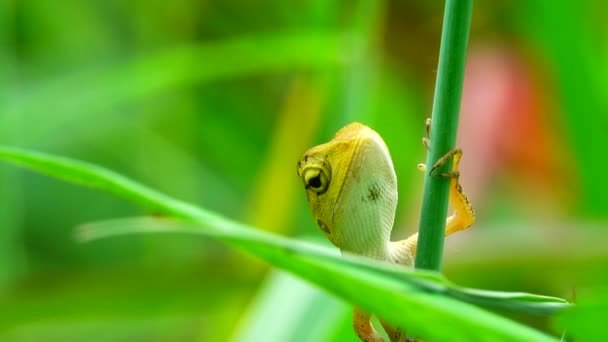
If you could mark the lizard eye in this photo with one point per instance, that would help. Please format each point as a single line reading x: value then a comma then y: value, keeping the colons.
x: 315, y: 182
x: 317, y: 178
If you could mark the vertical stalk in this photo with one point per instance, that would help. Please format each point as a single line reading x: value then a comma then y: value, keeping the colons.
x: 446, y: 107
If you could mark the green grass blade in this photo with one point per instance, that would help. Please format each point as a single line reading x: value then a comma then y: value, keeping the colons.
x: 518, y: 302
x: 585, y: 321
x: 101, y: 178
x: 357, y: 276
x: 323, y: 315
x: 400, y: 300
x: 510, y: 301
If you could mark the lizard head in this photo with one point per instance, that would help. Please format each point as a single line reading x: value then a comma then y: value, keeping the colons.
x: 351, y: 187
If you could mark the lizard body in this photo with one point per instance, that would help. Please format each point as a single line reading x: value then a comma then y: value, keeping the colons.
x: 351, y: 187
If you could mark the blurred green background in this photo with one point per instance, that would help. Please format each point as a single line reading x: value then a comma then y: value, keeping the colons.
x: 214, y: 101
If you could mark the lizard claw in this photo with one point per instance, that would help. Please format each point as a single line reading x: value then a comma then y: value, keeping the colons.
x: 426, y: 140
x: 457, y: 154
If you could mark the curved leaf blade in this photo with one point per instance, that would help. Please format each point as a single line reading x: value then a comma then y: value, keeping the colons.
x: 355, y: 279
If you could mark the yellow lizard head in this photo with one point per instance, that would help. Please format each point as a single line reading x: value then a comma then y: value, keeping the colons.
x: 352, y: 190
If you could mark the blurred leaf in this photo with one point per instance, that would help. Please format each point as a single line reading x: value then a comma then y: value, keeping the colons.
x: 567, y: 32
x: 554, y: 257
x: 361, y: 77
x: 12, y: 255
x: 173, y: 328
x: 322, y: 314
x: 586, y: 321
x: 298, y: 121
x: 377, y: 287
x: 66, y: 98
x: 117, y: 292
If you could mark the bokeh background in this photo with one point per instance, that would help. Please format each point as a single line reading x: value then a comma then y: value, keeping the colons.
x: 214, y: 101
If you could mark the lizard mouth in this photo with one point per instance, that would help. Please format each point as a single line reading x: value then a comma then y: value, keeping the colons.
x: 323, y: 226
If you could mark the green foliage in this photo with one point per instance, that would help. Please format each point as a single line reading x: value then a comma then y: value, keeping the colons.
x: 151, y: 74
x: 382, y: 288
x: 188, y: 96
x: 577, y: 58
x: 581, y: 322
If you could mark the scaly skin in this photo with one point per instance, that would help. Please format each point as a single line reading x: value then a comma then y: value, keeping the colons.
x: 351, y: 186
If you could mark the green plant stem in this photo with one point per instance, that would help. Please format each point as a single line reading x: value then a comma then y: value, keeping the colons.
x: 446, y: 106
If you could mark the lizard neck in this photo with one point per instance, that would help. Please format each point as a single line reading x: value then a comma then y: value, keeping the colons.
x: 399, y: 252
x: 380, y: 251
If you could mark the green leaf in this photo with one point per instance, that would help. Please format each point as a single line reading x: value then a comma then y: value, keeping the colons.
x: 416, y: 300
x: 585, y: 321
x: 325, y: 317
x: 154, y: 73
x: 510, y: 301
x: 519, y: 302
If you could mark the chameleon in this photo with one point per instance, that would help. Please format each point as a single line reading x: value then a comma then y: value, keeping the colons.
x: 351, y: 187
